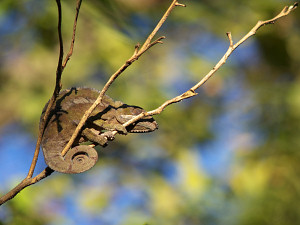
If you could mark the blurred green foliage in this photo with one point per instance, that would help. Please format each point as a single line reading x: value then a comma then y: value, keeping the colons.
x: 260, y: 186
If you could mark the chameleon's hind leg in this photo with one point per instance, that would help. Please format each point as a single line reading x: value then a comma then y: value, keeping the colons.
x: 100, y: 139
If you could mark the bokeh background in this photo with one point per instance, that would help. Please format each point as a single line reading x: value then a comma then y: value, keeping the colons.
x: 230, y: 155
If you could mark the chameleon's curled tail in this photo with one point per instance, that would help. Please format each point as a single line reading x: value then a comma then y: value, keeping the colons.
x: 77, y: 160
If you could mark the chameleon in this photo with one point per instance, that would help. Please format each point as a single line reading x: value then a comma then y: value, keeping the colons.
x: 66, y: 113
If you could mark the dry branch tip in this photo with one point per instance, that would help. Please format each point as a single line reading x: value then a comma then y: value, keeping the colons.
x: 159, y: 40
x: 136, y: 48
x: 230, y: 38
x: 179, y: 4
x: 288, y: 9
x: 292, y: 7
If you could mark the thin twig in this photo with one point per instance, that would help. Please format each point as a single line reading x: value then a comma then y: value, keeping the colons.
x: 55, y: 94
x: 137, y: 53
x: 60, y: 66
x: 286, y: 10
x: 145, y: 46
x: 191, y: 92
x: 73, y: 36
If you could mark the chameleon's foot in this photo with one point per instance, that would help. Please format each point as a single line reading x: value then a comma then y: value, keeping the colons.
x: 109, y: 135
x: 93, y: 137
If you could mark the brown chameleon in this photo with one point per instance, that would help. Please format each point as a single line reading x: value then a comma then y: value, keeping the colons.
x: 108, y: 116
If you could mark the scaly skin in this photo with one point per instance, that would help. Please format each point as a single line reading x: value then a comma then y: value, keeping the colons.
x: 108, y: 116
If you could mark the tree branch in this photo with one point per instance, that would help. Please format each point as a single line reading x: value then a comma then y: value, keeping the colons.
x: 191, y: 92
x: 55, y: 93
x: 137, y: 53
x: 73, y: 36
x: 60, y: 67
x: 25, y: 183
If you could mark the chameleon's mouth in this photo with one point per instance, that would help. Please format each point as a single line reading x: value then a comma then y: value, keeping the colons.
x: 142, y: 126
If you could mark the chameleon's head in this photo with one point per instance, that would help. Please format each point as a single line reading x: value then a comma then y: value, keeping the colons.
x: 147, y: 124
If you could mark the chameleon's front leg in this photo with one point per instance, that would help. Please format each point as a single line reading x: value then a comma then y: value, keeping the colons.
x: 100, y: 139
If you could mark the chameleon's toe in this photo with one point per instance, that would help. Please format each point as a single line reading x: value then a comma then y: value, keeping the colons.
x: 109, y: 135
